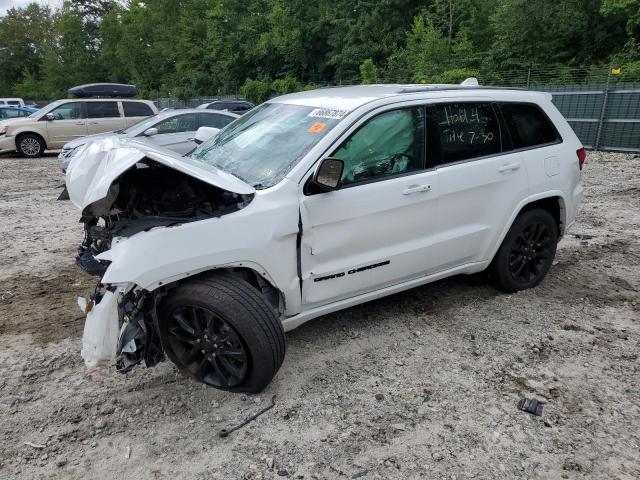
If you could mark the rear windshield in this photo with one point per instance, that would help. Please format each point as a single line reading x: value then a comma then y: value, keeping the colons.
x: 261, y: 147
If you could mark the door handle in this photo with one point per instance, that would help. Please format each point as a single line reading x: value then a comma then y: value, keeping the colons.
x: 80, y: 124
x: 92, y: 123
x: 509, y: 167
x: 416, y: 189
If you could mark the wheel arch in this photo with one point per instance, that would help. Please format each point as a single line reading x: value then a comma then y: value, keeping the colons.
x: 257, y: 278
x: 21, y: 134
x: 554, y: 202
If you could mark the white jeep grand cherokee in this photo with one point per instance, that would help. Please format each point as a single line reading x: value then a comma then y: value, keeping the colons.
x: 314, y: 202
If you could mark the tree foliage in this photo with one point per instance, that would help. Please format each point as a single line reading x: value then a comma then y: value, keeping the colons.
x: 261, y: 48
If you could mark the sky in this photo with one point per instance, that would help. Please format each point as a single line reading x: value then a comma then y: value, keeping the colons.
x: 7, y: 4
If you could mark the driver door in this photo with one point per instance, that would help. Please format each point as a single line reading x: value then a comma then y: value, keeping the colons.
x: 377, y: 229
x: 69, y: 123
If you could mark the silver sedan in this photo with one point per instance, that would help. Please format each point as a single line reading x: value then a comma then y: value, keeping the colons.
x: 171, y: 129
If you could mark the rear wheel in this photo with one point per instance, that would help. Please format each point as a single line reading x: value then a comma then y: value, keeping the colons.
x: 221, y: 331
x: 526, y: 253
x: 30, y: 145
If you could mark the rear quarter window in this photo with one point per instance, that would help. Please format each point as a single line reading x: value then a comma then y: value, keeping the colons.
x: 528, y: 125
x: 136, y: 109
x: 102, y: 110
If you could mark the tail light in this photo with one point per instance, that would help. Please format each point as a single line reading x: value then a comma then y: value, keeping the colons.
x: 582, y: 155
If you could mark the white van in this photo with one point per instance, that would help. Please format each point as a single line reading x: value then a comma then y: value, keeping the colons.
x: 314, y: 202
x: 65, y: 120
x: 18, y: 102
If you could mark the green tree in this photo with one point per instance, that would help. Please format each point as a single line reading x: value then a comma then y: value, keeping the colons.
x: 368, y: 72
x: 256, y: 90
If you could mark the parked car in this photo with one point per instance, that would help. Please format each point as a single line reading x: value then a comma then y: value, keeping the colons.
x: 10, y: 111
x: 18, y: 102
x: 235, y: 106
x: 171, y: 129
x: 65, y: 120
x: 315, y: 202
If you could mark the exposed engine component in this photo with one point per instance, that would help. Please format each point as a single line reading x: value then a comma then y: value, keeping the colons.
x: 145, y: 196
x: 139, y: 339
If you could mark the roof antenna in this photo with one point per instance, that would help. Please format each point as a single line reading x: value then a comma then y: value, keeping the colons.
x: 470, y: 82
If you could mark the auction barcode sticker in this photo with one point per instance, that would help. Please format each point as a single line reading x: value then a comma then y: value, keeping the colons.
x: 328, y: 113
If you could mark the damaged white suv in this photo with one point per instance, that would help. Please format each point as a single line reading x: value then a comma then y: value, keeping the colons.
x: 314, y: 202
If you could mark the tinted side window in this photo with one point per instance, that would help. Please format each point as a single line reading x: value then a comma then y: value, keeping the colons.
x: 216, y: 106
x: 10, y: 113
x: 388, y: 144
x: 102, y: 110
x: 465, y: 131
x: 68, y: 111
x: 528, y: 125
x: 215, y: 120
x: 177, y: 124
x: 136, y: 109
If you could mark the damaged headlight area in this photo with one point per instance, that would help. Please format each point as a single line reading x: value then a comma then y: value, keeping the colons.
x: 149, y: 195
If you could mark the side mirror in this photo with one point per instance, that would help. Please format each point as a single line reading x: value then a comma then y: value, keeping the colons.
x: 328, y: 174
x: 50, y: 117
x: 205, y: 133
x: 150, y: 132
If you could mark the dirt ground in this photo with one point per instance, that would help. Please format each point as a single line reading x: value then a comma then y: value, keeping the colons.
x: 422, y: 384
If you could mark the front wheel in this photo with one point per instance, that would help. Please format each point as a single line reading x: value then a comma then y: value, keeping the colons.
x: 526, y: 253
x: 30, y: 145
x: 222, y: 332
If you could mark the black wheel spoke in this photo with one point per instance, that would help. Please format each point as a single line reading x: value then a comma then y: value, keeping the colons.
x: 207, y: 346
x: 229, y: 367
x: 183, y: 323
x: 181, y: 337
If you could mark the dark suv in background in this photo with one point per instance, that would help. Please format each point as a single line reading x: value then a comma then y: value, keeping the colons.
x: 239, y: 107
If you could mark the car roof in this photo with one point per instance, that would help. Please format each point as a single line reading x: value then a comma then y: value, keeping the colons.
x: 182, y: 111
x: 352, y: 97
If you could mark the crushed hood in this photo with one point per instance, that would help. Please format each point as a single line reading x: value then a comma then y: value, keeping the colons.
x: 99, y: 163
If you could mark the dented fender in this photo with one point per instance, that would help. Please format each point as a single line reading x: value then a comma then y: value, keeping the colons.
x: 162, y: 255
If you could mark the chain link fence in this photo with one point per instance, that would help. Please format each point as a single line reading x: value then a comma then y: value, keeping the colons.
x: 603, y: 108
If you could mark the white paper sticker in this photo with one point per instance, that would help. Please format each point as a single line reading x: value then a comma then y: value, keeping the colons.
x: 328, y: 113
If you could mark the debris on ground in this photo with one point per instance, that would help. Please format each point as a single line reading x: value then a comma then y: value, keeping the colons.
x: 225, y: 432
x: 530, y: 406
x: 583, y: 236
x: 34, y: 445
x: 622, y: 283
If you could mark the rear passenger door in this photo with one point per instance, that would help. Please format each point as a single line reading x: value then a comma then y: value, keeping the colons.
x: 135, y: 111
x: 103, y: 116
x: 480, y: 182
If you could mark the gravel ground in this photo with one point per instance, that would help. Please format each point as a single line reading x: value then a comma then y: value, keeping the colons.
x: 422, y: 384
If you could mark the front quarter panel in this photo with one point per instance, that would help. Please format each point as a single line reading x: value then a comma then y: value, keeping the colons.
x: 262, y: 236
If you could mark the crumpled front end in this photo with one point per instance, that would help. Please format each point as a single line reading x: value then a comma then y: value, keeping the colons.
x: 128, y: 194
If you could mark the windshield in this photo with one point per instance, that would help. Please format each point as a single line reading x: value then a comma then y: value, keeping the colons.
x: 262, y: 146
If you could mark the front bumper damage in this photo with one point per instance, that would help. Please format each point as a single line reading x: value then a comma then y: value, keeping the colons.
x: 121, y: 327
x: 133, y: 199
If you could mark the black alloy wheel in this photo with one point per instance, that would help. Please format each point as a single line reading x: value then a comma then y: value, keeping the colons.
x: 207, y: 346
x: 527, y: 252
x: 222, y: 331
x: 530, y: 252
